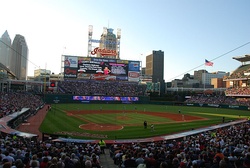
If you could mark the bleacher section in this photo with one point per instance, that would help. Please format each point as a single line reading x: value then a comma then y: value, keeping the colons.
x: 238, y: 81
x: 240, y: 73
x: 95, y: 87
x: 15, y: 108
x: 219, y: 100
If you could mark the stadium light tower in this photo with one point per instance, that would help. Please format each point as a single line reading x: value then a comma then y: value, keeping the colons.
x: 90, y: 40
x: 118, y: 39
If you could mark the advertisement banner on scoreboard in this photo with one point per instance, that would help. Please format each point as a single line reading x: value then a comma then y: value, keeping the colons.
x: 103, y: 59
x: 133, y: 76
x: 100, y: 70
x: 70, y: 61
x: 70, y: 72
x: 134, y: 66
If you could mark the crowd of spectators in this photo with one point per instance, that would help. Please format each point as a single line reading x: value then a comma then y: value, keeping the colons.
x: 239, y: 73
x: 222, y: 148
x: 95, y: 87
x: 14, y: 101
x: 238, y: 91
x: 23, y: 153
x: 227, y: 147
x: 218, y: 99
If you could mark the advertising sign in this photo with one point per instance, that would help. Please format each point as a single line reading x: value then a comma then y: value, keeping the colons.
x: 70, y: 72
x: 104, y: 42
x: 70, y: 66
x: 71, y: 61
x: 134, y: 71
x: 133, y: 76
x: 103, y: 69
x: 134, y: 66
x: 104, y: 52
x: 106, y: 98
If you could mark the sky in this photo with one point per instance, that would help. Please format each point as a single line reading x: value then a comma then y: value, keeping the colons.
x: 187, y: 31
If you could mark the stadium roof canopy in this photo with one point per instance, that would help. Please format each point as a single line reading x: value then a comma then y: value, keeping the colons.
x: 245, y: 58
x: 11, y: 75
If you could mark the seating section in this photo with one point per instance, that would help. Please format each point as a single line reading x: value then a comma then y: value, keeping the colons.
x: 14, y: 101
x: 219, y: 99
x: 95, y: 87
x: 241, y: 72
x: 225, y: 146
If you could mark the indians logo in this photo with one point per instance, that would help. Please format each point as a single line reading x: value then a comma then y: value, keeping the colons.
x: 104, y: 52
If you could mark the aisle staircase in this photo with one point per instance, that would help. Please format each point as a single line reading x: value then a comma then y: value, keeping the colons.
x: 106, y: 161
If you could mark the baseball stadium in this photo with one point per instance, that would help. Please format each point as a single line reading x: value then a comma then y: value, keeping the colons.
x: 91, y: 106
x: 100, y: 108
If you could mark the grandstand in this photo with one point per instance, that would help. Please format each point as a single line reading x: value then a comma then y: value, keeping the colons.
x: 239, y: 80
x: 194, y: 148
x: 237, y: 91
x: 6, y: 73
x: 101, y: 88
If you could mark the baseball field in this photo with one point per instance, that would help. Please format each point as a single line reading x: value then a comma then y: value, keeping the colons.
x: 125, y: 121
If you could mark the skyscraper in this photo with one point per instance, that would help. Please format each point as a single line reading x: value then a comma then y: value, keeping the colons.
x: 155, y: 68
x: 19, y: 57
x: 5, y: 50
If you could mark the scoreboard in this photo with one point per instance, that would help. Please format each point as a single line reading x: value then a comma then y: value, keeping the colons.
x: 101, y: 68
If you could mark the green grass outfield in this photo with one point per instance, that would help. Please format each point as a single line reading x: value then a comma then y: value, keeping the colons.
x: 57, y: 121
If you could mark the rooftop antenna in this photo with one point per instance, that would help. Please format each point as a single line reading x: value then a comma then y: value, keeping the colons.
x: 108, y: 23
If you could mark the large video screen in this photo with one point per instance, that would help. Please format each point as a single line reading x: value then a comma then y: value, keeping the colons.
x: 101, y: 68
x: 106, y: 98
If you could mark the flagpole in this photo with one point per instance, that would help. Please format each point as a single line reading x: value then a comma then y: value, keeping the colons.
x: 204, y: 78
x: 207, y: 63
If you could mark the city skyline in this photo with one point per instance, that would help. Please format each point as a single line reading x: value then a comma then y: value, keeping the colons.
x: 14, y: 54
x: 187, y: 32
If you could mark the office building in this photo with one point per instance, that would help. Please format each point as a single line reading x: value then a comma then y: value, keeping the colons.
x: 155, y: 68
x: 19, y: 57
x: 5, y: 49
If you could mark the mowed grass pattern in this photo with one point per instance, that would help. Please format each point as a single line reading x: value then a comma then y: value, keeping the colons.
x: 126, y: 118
x: 58, y: 120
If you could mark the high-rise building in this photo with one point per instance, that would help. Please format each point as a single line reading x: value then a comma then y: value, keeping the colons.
x: 109, y: 41
x: 5, y: 50
x: 155, y: 68
x: 19, y: 57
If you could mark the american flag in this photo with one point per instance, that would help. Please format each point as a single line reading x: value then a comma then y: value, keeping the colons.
x: 208, y: 63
